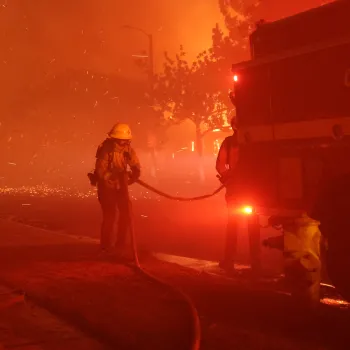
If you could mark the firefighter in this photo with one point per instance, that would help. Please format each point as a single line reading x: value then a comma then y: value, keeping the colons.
x: 113, y: 158
x: 225, y: 166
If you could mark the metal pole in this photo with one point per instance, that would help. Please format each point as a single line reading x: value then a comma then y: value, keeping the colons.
x: 150, y: 72
x: 150, y: 86
x: 150, y: 52
x: 150, y: 61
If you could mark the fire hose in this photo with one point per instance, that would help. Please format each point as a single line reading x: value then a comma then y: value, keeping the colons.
x: 196, y: 328
x: 182, y: 199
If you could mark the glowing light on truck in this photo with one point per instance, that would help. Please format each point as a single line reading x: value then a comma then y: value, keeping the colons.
x: 247, y: 210
x: 242, y: 210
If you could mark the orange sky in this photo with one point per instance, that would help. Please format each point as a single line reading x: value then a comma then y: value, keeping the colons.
x: 41, y: 38
x: 46, y: 36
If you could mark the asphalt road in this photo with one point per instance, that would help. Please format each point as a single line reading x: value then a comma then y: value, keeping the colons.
x: 194, y: 229
x: 191, y: 229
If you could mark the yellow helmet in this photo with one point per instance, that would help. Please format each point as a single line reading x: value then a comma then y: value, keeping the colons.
x: 121, y: 132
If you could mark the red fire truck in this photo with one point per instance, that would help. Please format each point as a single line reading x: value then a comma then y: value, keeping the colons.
x: 292, y: 102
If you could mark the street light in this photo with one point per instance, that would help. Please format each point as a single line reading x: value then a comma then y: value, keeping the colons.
x: 150, y: 56
x: 150, y: 51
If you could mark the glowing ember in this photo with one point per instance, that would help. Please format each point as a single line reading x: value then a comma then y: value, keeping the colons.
x: 66, y: 192
x: 335, y: 302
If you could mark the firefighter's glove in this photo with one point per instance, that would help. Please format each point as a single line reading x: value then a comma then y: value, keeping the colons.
x: 220, y: 178
x: 224, y: 177
x: 133, y: 175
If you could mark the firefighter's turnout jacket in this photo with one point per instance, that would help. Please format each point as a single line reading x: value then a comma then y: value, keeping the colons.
x: 112, y: 161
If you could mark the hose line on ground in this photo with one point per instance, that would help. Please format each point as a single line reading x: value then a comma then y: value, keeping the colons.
x: 183, y: 199
x: 196, y: 328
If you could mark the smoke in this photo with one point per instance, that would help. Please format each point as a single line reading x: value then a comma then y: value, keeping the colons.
x: 41, y: 37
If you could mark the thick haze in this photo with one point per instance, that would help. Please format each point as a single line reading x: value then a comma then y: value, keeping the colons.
x: 50, y: 35
x: 46, y: 45
x: 41, y: 36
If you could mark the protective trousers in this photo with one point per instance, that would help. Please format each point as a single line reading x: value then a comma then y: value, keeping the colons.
x: 112, y: 202
x: 253, y: 229
x: 254, y: 242
x: 231, y: 239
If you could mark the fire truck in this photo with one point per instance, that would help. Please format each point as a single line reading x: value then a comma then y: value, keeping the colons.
x: 292, y: 104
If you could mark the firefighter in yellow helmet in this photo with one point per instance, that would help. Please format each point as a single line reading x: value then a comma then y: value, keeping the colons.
x: 117, y: 166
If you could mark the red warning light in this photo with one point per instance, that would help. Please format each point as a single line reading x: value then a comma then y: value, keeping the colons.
x: 248, y: 210
x: 235, y: 78
x: 243, y: 210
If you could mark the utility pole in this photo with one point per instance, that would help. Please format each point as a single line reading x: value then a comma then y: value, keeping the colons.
x: 150, y: 70
x: 150, y: 61
x: 150, y: 65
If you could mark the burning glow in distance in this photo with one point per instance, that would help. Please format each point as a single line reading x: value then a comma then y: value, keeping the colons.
x: 235, y: 78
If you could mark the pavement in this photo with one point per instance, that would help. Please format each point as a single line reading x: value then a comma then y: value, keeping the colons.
x: 64, y: 276
x: 274, y: 282
x: 68, y: 277
x: 25, y: 326
x: 194, y: 229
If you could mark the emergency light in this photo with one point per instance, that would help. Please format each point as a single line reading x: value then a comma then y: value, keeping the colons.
x: 247, y: 210
x: 243, y: 210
